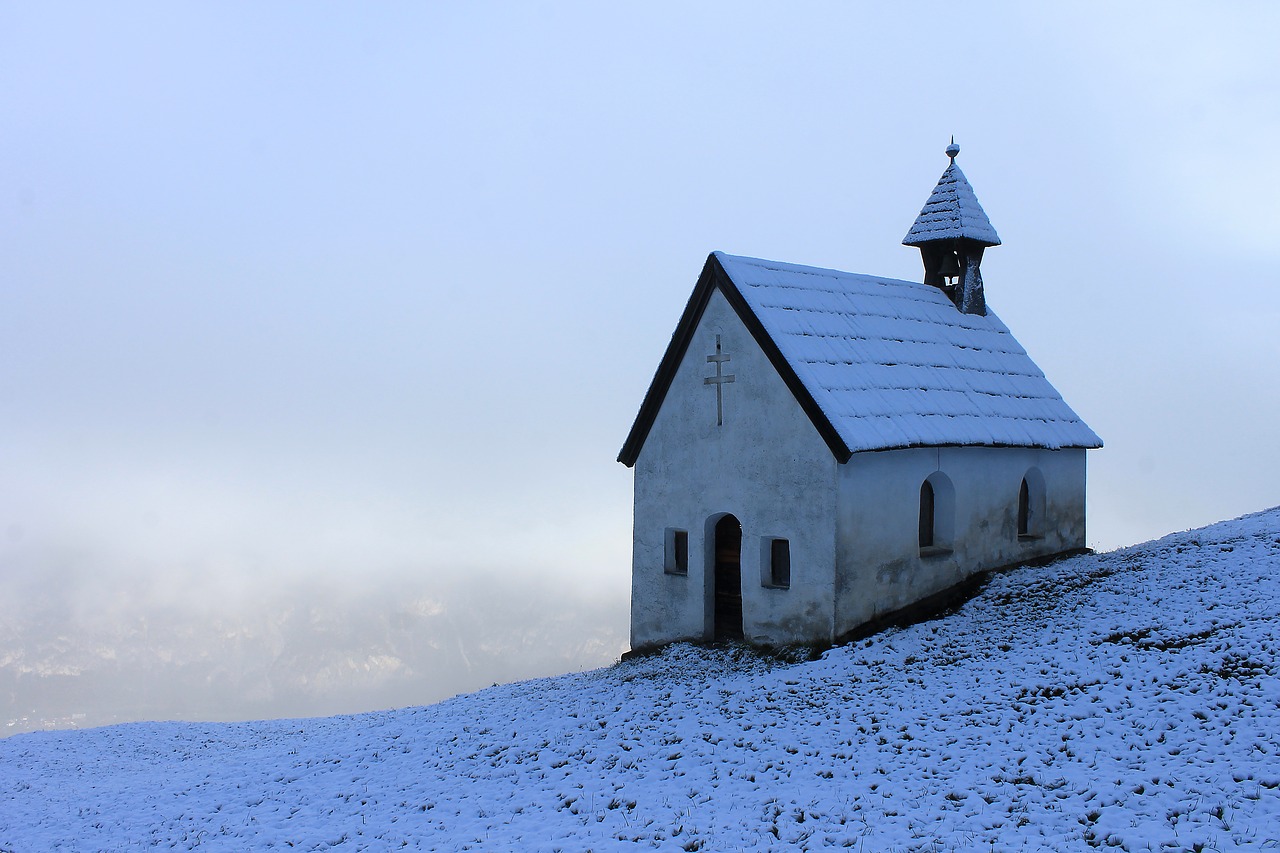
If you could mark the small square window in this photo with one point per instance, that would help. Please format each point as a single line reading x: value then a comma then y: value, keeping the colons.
x: 676, y: 552
x: 780, y: 563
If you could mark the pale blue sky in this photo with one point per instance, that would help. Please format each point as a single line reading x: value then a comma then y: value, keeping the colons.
x: 375, y: 290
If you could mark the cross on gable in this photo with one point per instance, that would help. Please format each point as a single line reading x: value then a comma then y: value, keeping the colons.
x: 719, y: 380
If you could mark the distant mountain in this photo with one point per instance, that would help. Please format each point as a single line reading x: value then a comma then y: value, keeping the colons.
x: 1128, y: 701
x: 302, y: 652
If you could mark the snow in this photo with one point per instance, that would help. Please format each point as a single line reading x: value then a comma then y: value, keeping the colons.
x: 1126, y: 700
x: 893, y: 364
x: 952, y: 212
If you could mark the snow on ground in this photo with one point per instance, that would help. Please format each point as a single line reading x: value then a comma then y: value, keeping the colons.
x: 1126, y: 700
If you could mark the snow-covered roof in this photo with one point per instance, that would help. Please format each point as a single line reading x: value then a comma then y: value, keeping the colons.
x: 879, y: 363
x: 952, y: 211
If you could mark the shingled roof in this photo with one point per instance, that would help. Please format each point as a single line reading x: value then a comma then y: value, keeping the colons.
x: 952, y: 211
x: 878, y: 363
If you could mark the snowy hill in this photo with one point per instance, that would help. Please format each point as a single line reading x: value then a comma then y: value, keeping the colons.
x: 1126, y: 700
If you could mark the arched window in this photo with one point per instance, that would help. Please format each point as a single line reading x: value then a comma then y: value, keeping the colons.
x: 1031, y: 506
x: 927, y: 506
x: 937, y: 515
x: 1024, y: 509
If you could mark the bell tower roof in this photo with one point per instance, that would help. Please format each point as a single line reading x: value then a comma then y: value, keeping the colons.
x: 952, y: 211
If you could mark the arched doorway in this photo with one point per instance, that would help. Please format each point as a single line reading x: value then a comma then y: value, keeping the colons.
x: 728, y: 579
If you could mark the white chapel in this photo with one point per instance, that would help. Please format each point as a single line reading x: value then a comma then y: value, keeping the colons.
x: 821, y: 449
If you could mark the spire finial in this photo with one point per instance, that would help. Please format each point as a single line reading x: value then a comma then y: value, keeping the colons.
x: 953, y: 149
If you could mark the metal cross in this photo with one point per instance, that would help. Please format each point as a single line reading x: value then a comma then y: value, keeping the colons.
x: 718, y: 380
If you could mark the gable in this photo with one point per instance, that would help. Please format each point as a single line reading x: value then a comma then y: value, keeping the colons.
x: 877, y: 363
x: 713, y: 278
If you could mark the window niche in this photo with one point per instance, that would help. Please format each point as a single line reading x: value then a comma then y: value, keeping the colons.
x: 776, y: 563
x: 1031, y: 502
x: 675, y: 558
x: 937, y: 515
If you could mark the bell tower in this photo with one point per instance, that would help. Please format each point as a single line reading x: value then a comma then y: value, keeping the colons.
x: 952, y: 231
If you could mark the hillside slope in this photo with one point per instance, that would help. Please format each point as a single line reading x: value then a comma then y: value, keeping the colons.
x: 1127, y: 700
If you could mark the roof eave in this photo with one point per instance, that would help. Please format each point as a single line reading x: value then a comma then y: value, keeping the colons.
x: 992, y: 444
x: 657, y: 392
x: 951, y: 238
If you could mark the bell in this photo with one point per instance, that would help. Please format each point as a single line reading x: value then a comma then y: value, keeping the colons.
x: 950, y: 268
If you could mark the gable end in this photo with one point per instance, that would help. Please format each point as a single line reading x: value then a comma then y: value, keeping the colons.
x: 714, y: 277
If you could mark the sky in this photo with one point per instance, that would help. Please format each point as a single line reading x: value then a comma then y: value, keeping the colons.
x: 367, y: 296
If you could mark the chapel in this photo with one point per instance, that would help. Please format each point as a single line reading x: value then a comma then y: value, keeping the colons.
x: 820, y: 449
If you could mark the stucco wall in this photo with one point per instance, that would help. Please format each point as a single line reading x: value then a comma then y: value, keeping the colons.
x: 880, y: 563
x: 766, y: 465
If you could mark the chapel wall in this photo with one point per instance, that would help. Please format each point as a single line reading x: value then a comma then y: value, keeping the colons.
x: 881, y: 567
x: 765, y: 464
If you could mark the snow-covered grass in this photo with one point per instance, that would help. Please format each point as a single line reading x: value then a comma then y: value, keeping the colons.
x: 1125, y: 700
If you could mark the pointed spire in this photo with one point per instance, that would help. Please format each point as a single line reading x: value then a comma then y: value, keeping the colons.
x: 951, y: 231
x: 952, y: 211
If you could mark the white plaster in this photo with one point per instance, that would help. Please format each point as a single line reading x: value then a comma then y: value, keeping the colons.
x: 880, y: 565
x: 766, y: 465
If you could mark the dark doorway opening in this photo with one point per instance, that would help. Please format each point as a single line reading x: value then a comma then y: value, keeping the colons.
x: 728, y: 579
